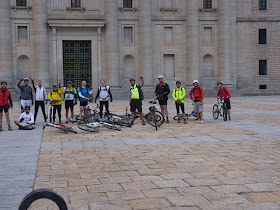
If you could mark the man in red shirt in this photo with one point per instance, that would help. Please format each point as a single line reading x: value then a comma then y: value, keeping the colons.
x: 224, y: 92
x: 197, y: 96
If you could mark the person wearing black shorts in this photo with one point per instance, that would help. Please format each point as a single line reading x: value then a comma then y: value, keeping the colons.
x: 135, y: 100
x: 5, y: 103
x: 70, y: 97
x: 162, y: 91
x: 178, y: 95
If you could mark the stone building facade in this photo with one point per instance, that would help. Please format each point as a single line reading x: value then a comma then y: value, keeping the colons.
x: 236, y: 41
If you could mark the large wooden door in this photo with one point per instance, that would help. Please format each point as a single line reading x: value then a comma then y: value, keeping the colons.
x: 77, y: 62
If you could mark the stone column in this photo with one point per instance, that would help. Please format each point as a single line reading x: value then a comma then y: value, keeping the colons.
x: 224, y: 41
x: 54, y: 71
x: 6, y: 67
x: 193, y: 45
x: 145, y: 46
x: 112, y: 57
x: 40, y: 41
x: 99, y: 54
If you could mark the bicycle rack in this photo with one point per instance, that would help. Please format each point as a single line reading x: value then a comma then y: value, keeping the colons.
x: 42, y: 193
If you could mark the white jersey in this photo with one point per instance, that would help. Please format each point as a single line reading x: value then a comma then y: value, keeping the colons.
x: 41, y: 93
x: 27, y: 118
x: 104, y: 94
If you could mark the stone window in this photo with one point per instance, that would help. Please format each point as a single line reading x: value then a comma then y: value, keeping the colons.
x: 262, y: 36
x: 207, y: 35
x: 127, y: 3
x: 75, y: 3
x: 262, y: 87
x: 207, y: 4
x: 22, y: 35
x: 21, y: 3
x: 262, y: 4
x: 128, y: 35
x: 262, y: 67
x: 168, y: 35
x: 169, y: 65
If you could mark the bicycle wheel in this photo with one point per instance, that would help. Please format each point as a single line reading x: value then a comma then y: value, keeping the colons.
x: 88, y: 128
x: 215, y: 111
x: 50, y: 115
x: 88, y: 115
x: 151, y: 119
x: 225, y: 112
x: 110, y: 126
x: 155, y: 120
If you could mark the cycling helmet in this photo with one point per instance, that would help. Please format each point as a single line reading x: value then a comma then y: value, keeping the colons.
x: 69, y: 82
x: 160, y: 76
x: 195, y: 81
x: 3, y: 82
x: 54, y: 85
x: 26, y: 79
x: 132, y: 79
x: 178, y: 82
x: 220, y: 82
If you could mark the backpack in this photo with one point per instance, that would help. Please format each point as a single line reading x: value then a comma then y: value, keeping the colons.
x: 224, y: 90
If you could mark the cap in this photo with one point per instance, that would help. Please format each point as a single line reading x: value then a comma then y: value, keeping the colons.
x: 132, y: 79
x: 195, y: 81
x: 69, y: 82
x: 220, y: 82
x: 178, y: 82
x: 25, y: 79
x: 54, y: 85
x: 160, y: 76
x: 3, y: 82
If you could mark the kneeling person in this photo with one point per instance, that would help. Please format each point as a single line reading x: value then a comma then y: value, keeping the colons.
x: 26, y: 120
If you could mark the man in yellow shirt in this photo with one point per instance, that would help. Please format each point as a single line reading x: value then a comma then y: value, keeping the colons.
x: 179, y: 94
x: 55, y: 98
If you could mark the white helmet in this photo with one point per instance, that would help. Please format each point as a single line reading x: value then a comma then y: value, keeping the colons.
x: 195, y: 81
x: 160, y: 76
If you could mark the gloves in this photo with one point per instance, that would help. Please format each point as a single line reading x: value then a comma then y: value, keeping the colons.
x: 12, y: 107
x: 94, y: 101
x: 111, y: 100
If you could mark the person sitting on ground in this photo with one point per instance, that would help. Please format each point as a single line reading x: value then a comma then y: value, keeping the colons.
x: 162, y: 91
x: 26, y: 95
x: 70, y: 97
x: 197, y: 96
x: 224, y: 92
x: 84, y: 94
x: 179, y: 94
x: 104, y: 94
x: 5, y: 103
x: 135, y: 100
x: 55, y: 98
x: 26, y: 120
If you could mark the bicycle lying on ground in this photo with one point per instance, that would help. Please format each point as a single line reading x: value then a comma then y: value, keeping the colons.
x: 121, y: 120
x: 60, y: 126
x: 192, y: 114
x: 220, y: 109
x: 154, y: 117
x: 94, y: 126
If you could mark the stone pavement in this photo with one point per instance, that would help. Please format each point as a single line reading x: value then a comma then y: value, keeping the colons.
x: 218, y: 165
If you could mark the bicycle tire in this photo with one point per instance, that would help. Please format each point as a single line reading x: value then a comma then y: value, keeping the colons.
x: 109, y: 126
x: 176, y: 118
x: 88, y: 116
x: 67, y: 129
x: 160, y: 119
x: 224, y: 112
x: 215, y: 111
x: 51, y: 115
x: 86, y: 128
x: 155, y: 120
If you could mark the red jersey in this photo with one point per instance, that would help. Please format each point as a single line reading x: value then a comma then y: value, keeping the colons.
x: 223, y: 92
x: 197, y: 94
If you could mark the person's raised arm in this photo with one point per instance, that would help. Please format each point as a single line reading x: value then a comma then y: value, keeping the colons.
x: 33, y: 85
x: 142, y: 82
x: 19, y: 84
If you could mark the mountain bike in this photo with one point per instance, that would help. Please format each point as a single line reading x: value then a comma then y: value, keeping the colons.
x: 122, y: 120
x: 191, y: 114
x: 220, y: 109
x: 60, y: 126
x: 154, y: 117
x: 94, y: 126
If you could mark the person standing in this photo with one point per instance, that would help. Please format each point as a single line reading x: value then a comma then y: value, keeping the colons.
x: 26, y: 95
x: 5, y: 103
x: 135, y: 99
x: 70, y: 97
x: 84, y: 94
x: 40, y: 98
x: 178, y: 95
x: 26, y: 120
x: 104, y: 94
x: 55, y: 98
x: 162, y: 91
x: 224, y: 92
x: 197, y: 96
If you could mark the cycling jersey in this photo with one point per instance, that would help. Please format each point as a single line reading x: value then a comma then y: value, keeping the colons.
x: 197, y: 94
x: 69, y: 93
x: 223, y: 92
x: 56, y: 96
x: 26, y: 118
x: 179, y: 93
x: 134, y: 91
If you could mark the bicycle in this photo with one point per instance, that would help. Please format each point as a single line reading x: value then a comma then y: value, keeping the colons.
x: 50, y: 110
x: 220, y: 109
x: 94, y: 126
x: 122, y: 120
x: 192, y: 114
x: 154, y: 117
x: 60, y: 126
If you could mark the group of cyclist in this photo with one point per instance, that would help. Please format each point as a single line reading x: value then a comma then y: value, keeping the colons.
x: 71, y: 94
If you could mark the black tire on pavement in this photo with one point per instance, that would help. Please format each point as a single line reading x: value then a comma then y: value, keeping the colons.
x: 215, y: 112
